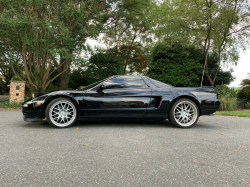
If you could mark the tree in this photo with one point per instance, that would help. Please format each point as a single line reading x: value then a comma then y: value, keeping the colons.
x: 223, y: 77
x: 49, y: 33
x: 176, y: 64
x: 216, y: 26
x: 133, y: 58
x: 126, y: 31
x: 103, y: 65
x: 246, y: 88
x: 78, y: 78
x: 5, y: 66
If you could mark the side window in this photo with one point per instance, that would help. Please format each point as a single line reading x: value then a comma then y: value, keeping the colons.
x: 124, y: 82
x: 159, y: 84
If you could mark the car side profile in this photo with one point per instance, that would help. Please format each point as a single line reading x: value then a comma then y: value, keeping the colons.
x: 123, y: 97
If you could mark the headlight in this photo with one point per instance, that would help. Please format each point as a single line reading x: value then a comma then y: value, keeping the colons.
x: 25, y: 105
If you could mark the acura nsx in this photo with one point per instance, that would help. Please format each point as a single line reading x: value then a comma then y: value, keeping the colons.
x: 123, y: 97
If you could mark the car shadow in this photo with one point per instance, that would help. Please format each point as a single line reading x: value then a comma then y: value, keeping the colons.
x: 119, y: 124
x: 135, y: 124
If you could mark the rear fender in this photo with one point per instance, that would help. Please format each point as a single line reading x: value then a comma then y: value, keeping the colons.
x: 190, y: 96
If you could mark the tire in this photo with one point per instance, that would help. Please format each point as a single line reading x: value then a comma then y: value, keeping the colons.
x: 184, y: 113
x: 61, y: 113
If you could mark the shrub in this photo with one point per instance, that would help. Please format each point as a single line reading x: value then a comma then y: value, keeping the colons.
x: 227, y: 97
x: 247, y: 105
x: 223, y: 90
x: 227, y: 103
x: 234, y: 92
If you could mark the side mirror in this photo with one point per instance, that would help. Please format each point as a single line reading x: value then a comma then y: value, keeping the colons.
x: 100, y: 88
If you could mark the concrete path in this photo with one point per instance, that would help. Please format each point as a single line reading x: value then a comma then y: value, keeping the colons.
x: 4, y: 97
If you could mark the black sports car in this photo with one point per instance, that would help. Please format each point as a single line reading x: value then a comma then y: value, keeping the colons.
x: 123, y: 97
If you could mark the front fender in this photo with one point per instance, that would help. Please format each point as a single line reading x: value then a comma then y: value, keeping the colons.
x: 55, y: 96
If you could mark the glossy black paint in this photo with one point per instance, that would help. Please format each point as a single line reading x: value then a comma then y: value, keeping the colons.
x: 118, y: 98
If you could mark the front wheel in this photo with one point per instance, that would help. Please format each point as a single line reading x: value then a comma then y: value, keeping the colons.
x: 184, y: 113
x: 61, y: 113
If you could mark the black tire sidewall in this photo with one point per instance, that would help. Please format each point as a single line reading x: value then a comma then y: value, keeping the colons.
x: 171, y: 113
x: 49, y: 106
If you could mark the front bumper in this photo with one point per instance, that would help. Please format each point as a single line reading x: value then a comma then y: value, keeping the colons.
x: 31, y: 115
x: 33, y: 112
x: 29, y: 119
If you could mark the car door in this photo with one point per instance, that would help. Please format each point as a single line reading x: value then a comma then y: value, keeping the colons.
x: 121, y: 96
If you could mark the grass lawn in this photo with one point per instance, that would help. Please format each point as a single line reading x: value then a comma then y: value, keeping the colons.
x: 239, y: 113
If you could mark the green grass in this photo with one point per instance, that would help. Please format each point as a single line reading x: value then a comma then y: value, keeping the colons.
x: 239, y: 113
x: 7, y: 104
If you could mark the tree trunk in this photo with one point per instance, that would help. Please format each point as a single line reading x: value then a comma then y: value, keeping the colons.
x: 65, y: 76
x: 64, y: 79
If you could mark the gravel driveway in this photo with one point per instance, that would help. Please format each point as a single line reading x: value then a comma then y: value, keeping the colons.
x: 215, y: 152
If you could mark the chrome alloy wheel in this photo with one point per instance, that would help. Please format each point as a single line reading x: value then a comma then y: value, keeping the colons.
x: 185, y: 113
x: 62, y: 113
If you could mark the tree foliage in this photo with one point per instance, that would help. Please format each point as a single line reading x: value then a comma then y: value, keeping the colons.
x: 180, y: 65
x: 176, y: 64
x: 133, y: 58
x: 223, y: 77
x: 103, y: 65
x: 126, y: 32
x: 215, y: 26
x: 48, y: 33
x: 78, y: 78
x: 6, y: 63
x: 245, y: 92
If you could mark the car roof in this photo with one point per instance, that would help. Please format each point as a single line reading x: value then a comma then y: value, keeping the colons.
x: 126, y: 76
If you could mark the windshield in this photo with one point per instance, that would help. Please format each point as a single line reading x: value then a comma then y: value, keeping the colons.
x: 92, y: 85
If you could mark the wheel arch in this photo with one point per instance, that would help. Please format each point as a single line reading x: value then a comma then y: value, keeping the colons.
x: 51, y: 98
x: 185, y: 97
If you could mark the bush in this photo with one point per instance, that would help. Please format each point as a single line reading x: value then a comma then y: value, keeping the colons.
x: 3, y: 86
x: 245, y: 92
x: 227, y: 97
x: 228, y: 103
x: 223, y: 90
x: 247, y: 105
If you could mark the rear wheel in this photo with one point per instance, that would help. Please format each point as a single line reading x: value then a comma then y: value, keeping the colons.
x: 61, y: 113
x: 184, y: 113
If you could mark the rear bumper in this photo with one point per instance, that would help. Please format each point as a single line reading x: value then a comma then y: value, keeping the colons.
x: 210, y: 108
x: 208, y: 112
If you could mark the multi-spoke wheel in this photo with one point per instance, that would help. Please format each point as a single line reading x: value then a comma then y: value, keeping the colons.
x: 61, y: 113
x: 184, y: 113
